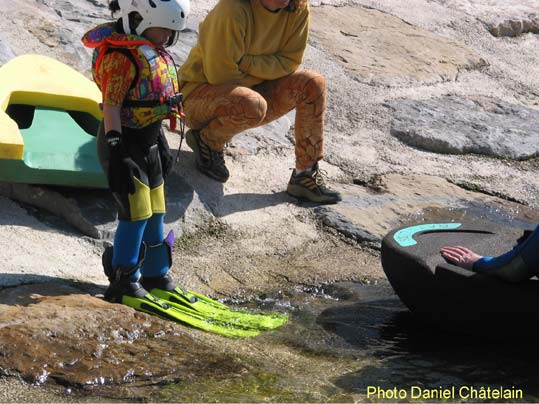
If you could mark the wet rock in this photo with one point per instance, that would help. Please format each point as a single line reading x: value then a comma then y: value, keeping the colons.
x: 458, y: 125
x: 406, y: 198
x: 382, y: 49
x: 340, y: 223
x: 342, y: 291
x: 59, y: 334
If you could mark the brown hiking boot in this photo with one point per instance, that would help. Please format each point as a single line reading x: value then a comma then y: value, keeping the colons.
x: 209, y: 162
x: 310, y: 185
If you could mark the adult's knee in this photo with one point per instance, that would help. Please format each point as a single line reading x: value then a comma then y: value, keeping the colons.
x: 254, y: 107
x: 315, y: 85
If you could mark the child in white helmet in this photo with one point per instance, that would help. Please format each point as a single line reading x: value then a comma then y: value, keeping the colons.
x: 138, y: 80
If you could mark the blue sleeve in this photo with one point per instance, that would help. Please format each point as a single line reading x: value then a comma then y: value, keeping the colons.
x: 518, y: 264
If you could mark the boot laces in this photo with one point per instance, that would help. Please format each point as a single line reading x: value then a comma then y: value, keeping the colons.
x: 318, y: 176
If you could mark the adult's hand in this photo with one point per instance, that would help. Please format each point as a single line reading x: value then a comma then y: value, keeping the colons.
x: 460, y: 256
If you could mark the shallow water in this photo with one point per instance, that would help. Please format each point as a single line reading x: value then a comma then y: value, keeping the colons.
x: 364, y: 328
x: 349, y: 342
x: 411, y: 353
x: 354, y: 338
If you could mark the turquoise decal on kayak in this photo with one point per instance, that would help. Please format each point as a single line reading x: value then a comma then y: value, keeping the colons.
x: 405, y: 237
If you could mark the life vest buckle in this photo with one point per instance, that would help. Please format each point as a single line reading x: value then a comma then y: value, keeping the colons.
x: 175, y: 100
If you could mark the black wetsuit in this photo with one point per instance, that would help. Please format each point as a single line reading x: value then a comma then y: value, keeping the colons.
x: 142, y: 147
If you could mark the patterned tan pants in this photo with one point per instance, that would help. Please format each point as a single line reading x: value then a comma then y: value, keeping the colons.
x: 222, y: 111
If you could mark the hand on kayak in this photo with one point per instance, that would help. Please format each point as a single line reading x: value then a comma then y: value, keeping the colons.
x: 460, y: 256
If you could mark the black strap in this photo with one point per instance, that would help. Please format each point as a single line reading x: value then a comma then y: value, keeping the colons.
x: 141, y: 103
x: 124, y: 271
x: 172, y: 101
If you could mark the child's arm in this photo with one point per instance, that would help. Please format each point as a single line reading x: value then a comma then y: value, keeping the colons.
x: 117, y: 72
x: 120, y: 166
x: 111, y: 118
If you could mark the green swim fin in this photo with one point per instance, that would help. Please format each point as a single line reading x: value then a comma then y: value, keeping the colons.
x: 209, y: 308
x: 167, y: 300
x: 153, y: 305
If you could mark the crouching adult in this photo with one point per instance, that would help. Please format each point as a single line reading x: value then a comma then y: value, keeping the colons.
x: 243, y: 73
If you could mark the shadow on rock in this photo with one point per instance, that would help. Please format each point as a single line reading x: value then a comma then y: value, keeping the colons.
x: 92, y: 212
x: 98, y: 209
x: 399, y: 350
x: 58, y: 333
x: 244, y: 202
x: 211, y: 192
x: 18, y: 289
x: 179, y: 195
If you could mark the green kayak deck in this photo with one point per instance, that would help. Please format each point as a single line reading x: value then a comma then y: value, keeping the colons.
x: 59, y: 149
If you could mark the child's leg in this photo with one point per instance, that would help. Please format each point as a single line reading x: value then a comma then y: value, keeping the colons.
x: 157, y: 261
x: 127, y: 243
x: 122, y: 263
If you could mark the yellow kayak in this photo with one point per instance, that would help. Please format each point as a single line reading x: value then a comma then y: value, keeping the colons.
x: 49, y: 115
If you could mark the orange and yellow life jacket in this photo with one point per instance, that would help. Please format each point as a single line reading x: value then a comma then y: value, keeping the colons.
x: 154, y: 94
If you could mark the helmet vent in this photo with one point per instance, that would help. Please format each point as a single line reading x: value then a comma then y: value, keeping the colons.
x: 152, y: 4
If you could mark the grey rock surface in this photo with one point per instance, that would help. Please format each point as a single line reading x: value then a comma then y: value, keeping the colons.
x: 459, y: 125
x: 93, y: 213
x: 5, y: 51
x: 514, y: 26
x: 501, y: 18
x: 382, y: 49
x: 37, y: 250
x: 402, y: 43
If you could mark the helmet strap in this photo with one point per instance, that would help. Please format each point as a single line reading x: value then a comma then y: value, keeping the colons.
x: 125, y: 24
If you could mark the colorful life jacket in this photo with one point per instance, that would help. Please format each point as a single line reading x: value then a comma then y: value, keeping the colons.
x: 154, y: 94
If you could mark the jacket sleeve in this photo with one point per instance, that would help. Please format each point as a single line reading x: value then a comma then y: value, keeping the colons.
x: 117, y: 73
x: 222, y: 45
x: 284, y: 62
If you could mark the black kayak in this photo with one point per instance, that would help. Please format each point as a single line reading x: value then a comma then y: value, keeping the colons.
x: 453, y: 298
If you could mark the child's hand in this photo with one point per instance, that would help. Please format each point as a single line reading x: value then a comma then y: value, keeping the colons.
x: 122, y: 169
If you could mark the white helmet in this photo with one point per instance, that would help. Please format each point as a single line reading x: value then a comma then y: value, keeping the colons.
x: 169, y: 14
